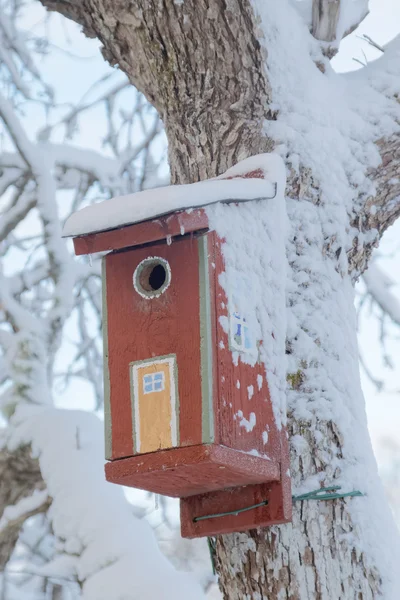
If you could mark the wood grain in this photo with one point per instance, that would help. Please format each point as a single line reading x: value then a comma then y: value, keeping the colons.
x: 232, y: 403
x: 141, y: 328
x: 229, y: 403
x: 239, y: 392
x: 172, y: 225
x: 155, y: 410
x: 229, y: 500
x: 186, y: 471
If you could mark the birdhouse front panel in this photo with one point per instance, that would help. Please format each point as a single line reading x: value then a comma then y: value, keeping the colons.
x: 154, y: 348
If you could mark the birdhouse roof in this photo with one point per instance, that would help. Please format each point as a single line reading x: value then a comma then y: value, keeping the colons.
x: 150, y: 204
x: 245, y: 181
x: 170, y: 212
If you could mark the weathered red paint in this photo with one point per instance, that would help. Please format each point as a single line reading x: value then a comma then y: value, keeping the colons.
x: 175, y: 224
x: 181, y: 472
x: 140, y: 328
x: 277, y: 510
x: 229, y: 432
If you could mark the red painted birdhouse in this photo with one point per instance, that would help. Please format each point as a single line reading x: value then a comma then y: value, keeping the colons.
x: 188, y: 411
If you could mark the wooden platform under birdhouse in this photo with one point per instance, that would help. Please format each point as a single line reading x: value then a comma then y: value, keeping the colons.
x: 221, y: 489
x: 191, y: 470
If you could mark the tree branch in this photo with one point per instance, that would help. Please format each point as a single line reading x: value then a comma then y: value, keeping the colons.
x: 377, y: 92
x: 20, y: 476
x: 386, y: 203
x: 330, y: 21
x: 154, y: 57
x: 378, y: 287
x: 325, y: 16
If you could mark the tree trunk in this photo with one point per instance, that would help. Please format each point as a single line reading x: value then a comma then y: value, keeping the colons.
x: 205, y: 66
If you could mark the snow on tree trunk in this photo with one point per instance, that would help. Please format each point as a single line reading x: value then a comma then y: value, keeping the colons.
x: 240, y: 78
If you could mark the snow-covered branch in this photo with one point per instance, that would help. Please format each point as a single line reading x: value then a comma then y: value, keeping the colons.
x: 111, y: 560
x: 331, y: 20
x: 379, y: 288
x: 20, y: 477
x: 14, y: 518
x: 375, y: 89
x: 95, y: 540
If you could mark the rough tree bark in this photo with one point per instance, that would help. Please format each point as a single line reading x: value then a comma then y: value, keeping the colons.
x: 20, y: 476
x: 325, y: 16
x: 201, y: 63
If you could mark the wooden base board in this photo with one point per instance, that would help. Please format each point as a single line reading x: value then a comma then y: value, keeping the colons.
x: 192, y: 470
x: 277, y: 511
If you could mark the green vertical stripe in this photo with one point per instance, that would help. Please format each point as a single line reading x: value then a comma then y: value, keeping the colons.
x: 106, y: 372
x: 205, y: 343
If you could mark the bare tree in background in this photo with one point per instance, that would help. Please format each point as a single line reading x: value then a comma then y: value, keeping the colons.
x: 64, y: 532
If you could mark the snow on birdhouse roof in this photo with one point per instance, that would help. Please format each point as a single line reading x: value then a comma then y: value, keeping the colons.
x: 232, y: 186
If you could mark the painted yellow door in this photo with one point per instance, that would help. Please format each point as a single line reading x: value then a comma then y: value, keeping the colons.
x: 154, y: 405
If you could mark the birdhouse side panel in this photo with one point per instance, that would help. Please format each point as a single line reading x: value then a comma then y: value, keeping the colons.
x: 147, y: 329
x: 247, y: 421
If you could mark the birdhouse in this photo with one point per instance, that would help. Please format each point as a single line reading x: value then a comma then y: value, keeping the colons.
x: 188, y: 412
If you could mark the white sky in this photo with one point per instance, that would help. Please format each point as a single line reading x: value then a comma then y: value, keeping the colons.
x: 71, y: 78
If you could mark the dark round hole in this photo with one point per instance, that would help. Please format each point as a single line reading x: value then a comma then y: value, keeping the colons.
x: 152, y: 277
x: 157, y: 277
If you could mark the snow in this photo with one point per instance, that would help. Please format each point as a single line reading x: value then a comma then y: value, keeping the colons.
x: 351, y: 13
x: 41, y: 166
x: 378, y: 284
x: 119, y: 557
x: 304, y: 7
x: 249, y: 423
x: 105, y: 169
x: 148, y: 204
x: 25, y: 505
x: 255, y: 271
x: 348, y: 114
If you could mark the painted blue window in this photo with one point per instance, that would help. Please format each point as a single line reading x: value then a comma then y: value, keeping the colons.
x: 154, y: 382
x: 240, y: 333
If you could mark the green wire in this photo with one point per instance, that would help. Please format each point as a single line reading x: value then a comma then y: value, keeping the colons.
x: 232, y: 512
x: 319, y: 494
x: 323, y: 494
x: 328, y: 493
